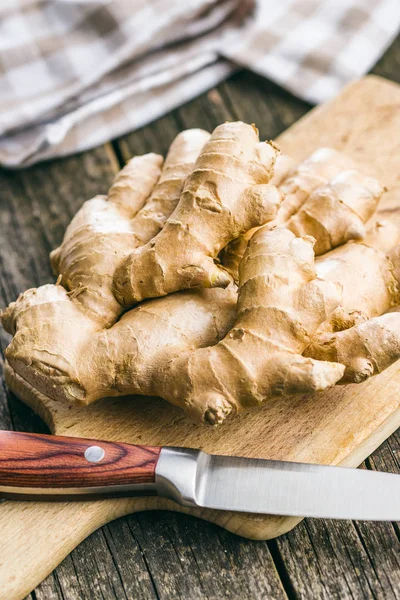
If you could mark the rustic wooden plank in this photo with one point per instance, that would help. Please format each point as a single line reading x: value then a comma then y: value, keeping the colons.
x: 381, y: 540
x: 129, y: 559
x: 389, y: 64
x: 206, y: 562
x: 346, y: 582
x: 254, y: 99
x: 102, y: 579
x: 206, y: 112
x: 36, y: 205
x: 340, y: 559
x: 50, y: 589
x: 152, y: 138
x: 162, y: 555
x: 387, y: 456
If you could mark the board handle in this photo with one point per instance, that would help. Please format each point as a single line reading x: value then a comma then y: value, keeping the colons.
x: 35, y: 465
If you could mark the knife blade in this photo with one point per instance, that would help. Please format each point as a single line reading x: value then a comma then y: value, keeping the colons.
x: 43, y: 466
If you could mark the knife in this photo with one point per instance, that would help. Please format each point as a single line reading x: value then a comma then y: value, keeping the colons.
x: 57, y: 467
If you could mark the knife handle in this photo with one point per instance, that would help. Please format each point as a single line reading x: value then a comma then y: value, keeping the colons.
x: 47, y: 465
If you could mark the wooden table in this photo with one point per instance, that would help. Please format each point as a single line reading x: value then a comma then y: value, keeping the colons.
x: 171, y: 556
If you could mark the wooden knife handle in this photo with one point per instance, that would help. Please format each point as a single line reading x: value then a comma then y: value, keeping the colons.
x: 64, y: 465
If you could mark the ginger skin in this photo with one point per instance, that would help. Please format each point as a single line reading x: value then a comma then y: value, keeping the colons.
x: 178, y: 165
x: 325, y: 197
x: 363, y: 335
x: 226, y: 194
x: 336, y: 212
x: 233, y: 253
x: 281, y: 304
x: 361, y: 267
x: 297, y: 324
x: 60, y: 344
x: 99, y: 236
x: 296, y: 183
x: 365, y: 349
x: 315, y: 171
x: 60, y: 351
x: 106, y: 229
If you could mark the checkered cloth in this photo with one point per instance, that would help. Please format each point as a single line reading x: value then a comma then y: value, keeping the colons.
x: 75, y: 73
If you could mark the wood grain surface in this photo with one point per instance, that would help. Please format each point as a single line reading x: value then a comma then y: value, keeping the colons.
x: 161, y: 555
x: 46, y: 461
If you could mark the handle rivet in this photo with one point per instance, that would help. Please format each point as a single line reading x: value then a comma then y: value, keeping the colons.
x: 94, y: 454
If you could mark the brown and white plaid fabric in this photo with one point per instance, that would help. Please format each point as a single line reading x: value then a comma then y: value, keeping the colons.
x: 75, y: 73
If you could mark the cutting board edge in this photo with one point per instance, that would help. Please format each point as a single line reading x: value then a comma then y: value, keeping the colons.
x: 325, y: 107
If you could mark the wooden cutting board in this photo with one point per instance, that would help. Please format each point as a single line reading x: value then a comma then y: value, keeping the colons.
x: 341, y: 426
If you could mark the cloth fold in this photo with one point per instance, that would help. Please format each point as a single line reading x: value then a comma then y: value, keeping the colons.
x: 76, y: 73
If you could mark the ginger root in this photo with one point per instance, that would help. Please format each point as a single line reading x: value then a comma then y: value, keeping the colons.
x: 336, y: 212
x: 363, y: 333
x: 99, y: 236
x: 325, y: 197
x: 106, y: 229
x: 281, y: 303
x: 226, y: 194
x: 365, y: 349
x: 296, y: 324
x: 60, y: 351
x: 315, y: 171
x: 361, y: 268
